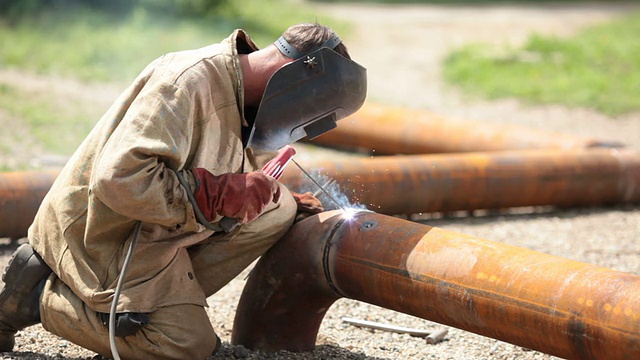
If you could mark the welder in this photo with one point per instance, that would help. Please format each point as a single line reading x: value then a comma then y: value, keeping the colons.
x: 176, y: 154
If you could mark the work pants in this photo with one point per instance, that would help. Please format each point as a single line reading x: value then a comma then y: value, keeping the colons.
x: 180, y: 331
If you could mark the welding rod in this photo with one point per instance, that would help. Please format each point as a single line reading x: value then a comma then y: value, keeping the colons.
x: 437, y: 336
x: 326, y: 186
x: 318, y: 185
x: 387, y: 327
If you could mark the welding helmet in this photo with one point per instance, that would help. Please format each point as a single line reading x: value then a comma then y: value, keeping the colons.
x: 306, y: 97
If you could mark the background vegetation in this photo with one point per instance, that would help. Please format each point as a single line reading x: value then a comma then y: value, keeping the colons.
x: 193, y: 8
x: 400, y: 2
x: 110, y: 41
x: 599, y: 68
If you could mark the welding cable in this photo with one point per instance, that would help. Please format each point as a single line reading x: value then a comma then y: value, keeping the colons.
x: 231, y: 223
x: 127, y: 260
x: 116, y: 294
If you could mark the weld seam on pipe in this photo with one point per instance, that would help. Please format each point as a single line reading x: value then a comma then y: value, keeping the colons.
x: 325, y: 258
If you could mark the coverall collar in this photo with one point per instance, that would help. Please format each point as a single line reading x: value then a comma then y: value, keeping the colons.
x: 239, y: 43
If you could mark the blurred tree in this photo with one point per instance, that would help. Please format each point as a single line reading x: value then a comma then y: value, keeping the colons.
x: 191, y: 8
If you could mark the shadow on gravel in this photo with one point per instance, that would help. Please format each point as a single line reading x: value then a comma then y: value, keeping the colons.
x: 28, y: 355
x: 321, y: 352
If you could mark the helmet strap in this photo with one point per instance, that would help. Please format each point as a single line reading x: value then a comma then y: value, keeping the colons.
x: 291, y: 52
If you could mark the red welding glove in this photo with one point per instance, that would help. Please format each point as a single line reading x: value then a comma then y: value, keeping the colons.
x: 307, y: 205
x: 240, y: 196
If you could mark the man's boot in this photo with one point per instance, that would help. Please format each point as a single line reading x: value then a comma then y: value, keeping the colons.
x: 24, y: 279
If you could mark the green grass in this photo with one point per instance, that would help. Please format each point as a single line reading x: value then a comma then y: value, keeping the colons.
x: 101, y: 48
x: 446, y: 2
x: 598, y: 68
x: 58, y: 126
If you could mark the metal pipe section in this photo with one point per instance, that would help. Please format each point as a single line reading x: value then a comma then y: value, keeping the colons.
x: 414, y: 184
x: 421, y: 183
x: 550, y: 304
x: 20, y: 196
x: 388, y: 130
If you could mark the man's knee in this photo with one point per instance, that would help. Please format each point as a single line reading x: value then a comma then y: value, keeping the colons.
x: 179, y: 332
x: 173, y: 332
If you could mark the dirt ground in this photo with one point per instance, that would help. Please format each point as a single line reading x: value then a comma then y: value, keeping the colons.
x: 402, y: 48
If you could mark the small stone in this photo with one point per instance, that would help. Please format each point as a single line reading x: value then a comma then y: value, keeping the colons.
x: 240, y: 352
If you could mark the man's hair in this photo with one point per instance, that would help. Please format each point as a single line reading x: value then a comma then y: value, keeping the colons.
x: 305, y: 36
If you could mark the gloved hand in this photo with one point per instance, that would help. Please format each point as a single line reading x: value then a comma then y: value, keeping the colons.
x: 307, y: 205
x: 240, y: 196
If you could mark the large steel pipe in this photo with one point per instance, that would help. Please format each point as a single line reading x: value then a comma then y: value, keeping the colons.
x: 422, y: 183
x: 389, y: 130
x: 557, y: 306
x: 491, y: 180
x: 20, y: 196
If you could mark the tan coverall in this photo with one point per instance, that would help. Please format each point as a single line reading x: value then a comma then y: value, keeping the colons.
x: 184, y: 110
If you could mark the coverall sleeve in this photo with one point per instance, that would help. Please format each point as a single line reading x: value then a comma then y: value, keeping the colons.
x: 133, y: 173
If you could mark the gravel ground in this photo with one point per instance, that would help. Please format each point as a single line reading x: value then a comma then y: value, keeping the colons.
x: 402, y: 47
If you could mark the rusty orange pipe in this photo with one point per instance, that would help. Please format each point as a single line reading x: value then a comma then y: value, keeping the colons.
x: 389, y: 130
x: 490, y: 180
x: 422, y: 183
x: 557, y: 306
x: 20, y: 196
